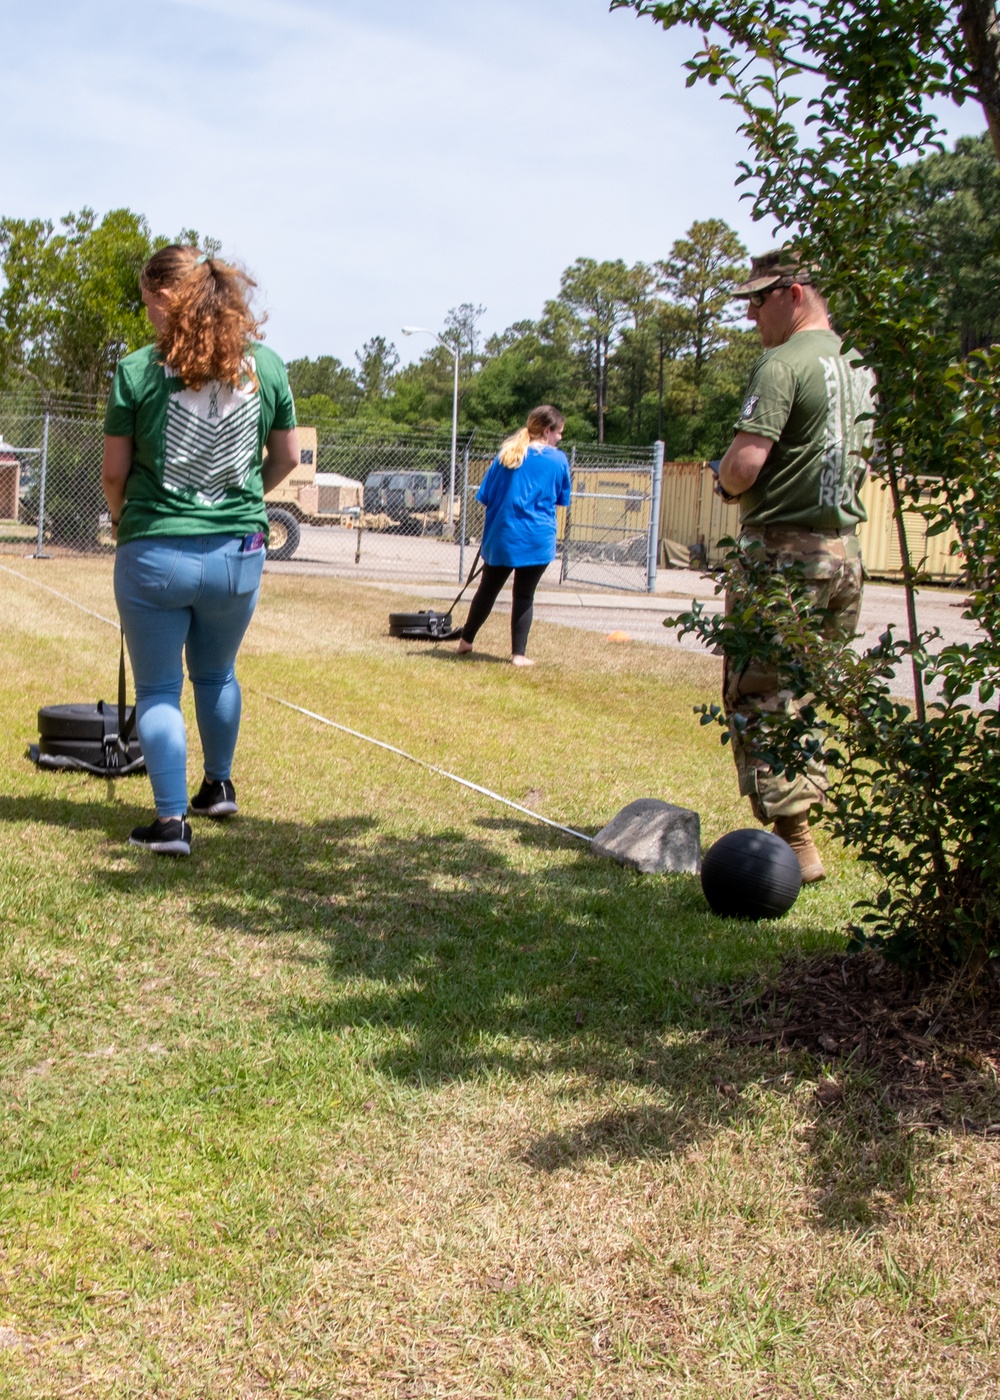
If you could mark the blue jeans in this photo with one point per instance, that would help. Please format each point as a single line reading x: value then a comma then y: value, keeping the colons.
x: 180, y: 595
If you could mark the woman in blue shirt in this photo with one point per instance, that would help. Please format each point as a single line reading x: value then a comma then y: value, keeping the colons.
x: 526, y: 481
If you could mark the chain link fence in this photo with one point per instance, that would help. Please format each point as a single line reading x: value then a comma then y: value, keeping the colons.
x: 606, y: 539
x: 50, y: 480
x: 379, y: 506
x: 610, y: 536
x: 372, y: 505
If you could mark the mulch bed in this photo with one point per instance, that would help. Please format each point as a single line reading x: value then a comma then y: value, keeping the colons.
x: 935, y: 1048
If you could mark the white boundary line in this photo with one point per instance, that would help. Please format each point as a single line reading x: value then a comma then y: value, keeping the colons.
x: 112, y: 622
x: 355, y: 733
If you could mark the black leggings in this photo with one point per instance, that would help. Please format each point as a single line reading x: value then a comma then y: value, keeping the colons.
x: 526, y: 580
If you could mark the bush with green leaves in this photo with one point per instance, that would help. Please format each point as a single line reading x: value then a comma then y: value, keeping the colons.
x: 918, y: 798
x: 835, y: 102
x: 915, y: 788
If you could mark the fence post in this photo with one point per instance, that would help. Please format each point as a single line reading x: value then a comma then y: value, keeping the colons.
x: 564, y: 566
x: 463, y: 528
x: 41, y: 489
x: 654, y: 518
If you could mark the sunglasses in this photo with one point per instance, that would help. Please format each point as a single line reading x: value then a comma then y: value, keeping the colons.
x: 759, y: 298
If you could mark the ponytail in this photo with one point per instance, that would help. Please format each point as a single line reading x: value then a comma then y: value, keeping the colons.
x: 209, y: 322
x: 514, y: 449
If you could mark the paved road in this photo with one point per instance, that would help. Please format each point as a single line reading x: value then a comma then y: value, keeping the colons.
x: 883, y: 604
x: 394, y: 563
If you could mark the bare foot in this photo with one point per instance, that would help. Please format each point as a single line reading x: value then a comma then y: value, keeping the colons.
x: 522, y: 661
x: 464, y: 646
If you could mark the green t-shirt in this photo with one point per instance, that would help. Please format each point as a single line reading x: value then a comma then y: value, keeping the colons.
x: 806, y: 396
x: 196, y: 465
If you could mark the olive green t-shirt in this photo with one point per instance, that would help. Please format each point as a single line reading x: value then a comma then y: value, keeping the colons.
x: 807, y: 396
x: 196, y: 464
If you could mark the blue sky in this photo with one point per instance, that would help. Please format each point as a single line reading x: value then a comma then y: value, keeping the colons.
x: 373, y: 165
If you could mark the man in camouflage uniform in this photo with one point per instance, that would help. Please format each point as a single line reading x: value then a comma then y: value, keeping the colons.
x: 797, y: 466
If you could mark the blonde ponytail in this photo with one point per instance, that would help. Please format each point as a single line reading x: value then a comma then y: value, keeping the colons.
x: 514, y: 449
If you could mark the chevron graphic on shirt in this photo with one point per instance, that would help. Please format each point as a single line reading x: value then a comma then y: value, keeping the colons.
x: 210, y: 441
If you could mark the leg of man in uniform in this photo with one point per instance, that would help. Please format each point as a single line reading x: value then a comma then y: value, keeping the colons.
x: 832, y: 567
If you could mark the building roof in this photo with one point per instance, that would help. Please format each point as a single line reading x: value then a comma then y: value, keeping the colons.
x: 335, y: 479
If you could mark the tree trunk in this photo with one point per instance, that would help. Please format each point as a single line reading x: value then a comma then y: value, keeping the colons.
x: 978, y: 19
x: 938, y: 856
x: 909, y: 582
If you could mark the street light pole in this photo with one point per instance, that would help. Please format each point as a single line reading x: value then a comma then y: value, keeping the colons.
x: 454, y: 441
x: 453, y: 352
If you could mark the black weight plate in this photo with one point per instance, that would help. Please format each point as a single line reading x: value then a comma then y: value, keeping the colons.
x: 417, y: 619
x: 70, y: 722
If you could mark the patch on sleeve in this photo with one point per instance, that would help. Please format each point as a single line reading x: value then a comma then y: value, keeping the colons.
x: 749, y: 404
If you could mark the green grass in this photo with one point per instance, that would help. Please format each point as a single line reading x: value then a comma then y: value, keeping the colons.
x: 390, y: 1091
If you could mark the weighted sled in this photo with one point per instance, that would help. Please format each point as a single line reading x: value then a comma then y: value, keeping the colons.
x: 431, y: 626
x: 427, y: 626
x: 77, y: 722
x: 86, y: 737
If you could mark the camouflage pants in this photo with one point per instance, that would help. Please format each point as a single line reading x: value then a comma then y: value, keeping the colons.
x: 832, y: 566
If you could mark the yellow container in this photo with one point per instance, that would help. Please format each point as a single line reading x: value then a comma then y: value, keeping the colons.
x: 610, y: 504
x: 880, y: 539
x: 694, y: 516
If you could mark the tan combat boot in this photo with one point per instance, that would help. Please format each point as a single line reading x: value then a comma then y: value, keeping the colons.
x: 795, y: 832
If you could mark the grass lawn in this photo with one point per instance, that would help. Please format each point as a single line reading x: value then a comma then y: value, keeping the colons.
x: 390, y: 1091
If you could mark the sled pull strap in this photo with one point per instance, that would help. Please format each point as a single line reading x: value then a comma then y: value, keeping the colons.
x: 472, y: 575
x: 125, y: 726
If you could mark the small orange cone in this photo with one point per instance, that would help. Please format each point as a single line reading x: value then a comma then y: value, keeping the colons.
x: 619, y: 637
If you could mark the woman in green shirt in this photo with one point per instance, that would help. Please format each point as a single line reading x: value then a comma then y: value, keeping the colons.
x: 199, y: 425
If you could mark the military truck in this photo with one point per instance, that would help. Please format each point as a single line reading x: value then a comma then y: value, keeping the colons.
x: 410, y: 500
x: 303, y: 499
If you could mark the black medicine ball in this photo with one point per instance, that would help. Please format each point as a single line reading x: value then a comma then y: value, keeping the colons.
x: 750, y: 874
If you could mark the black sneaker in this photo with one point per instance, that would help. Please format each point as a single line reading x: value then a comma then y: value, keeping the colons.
x: 214, y: 800
x: 167, y: 836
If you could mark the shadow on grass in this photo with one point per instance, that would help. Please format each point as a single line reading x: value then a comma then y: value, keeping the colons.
x: 468, y: 658
x: 124, y: 800
x: 863, y: 1166
x: 465, y: 956
x: 530, y: 833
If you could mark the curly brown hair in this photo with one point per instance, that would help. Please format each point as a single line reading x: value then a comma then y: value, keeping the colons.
x: 209, y: 322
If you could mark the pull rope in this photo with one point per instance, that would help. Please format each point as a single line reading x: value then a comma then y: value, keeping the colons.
x: 343, y: 728
x: 422, y: 763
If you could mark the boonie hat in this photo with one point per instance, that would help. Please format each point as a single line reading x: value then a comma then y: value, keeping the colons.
x: 778, y: 268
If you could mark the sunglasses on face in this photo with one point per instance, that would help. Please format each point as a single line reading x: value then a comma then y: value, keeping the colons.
x: 759, y: 298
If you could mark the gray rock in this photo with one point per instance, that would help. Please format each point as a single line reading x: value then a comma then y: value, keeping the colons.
x: 652, y: 836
